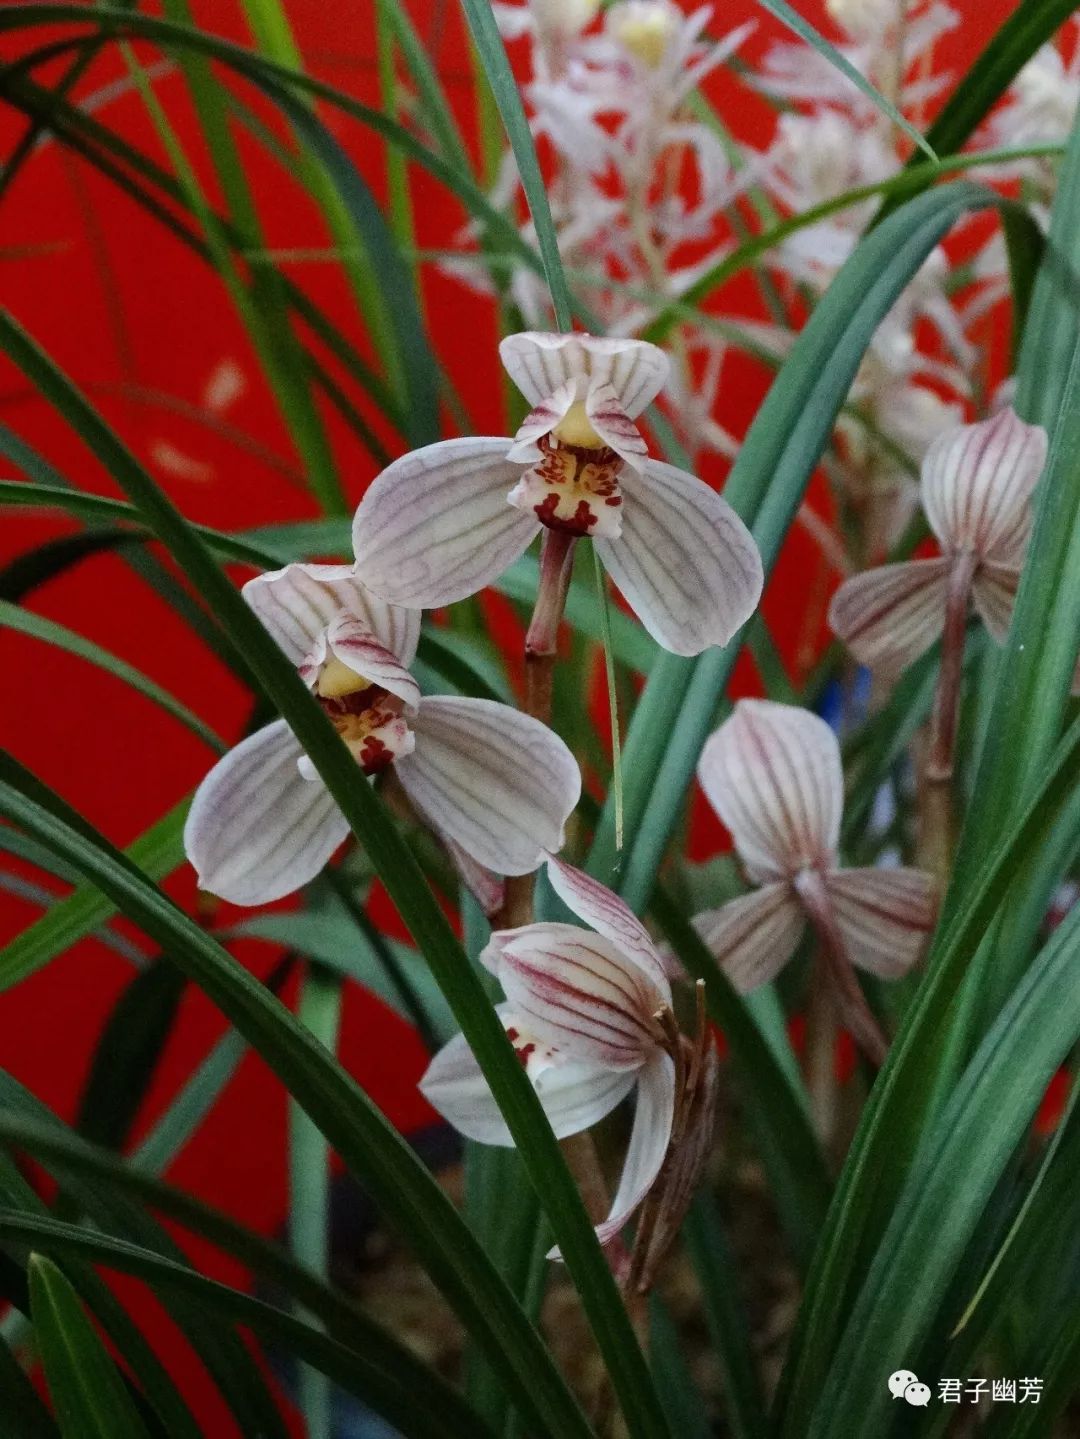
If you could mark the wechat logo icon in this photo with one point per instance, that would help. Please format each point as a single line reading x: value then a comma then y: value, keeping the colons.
x: 905, y: 1385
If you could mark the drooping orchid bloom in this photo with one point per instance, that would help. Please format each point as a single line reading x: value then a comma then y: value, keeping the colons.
x: 772, y: 773
x: 494, y: 784
x: 443, y: 522
x: 976, y: 487
x: 589, y: 1014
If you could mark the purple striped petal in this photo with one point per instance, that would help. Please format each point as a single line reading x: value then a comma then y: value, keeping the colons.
x: 435, y: 527
x: 649, y: 1141
x: 977, y: 482
x: 685, y: 561
x: 754, y: 936
x: 772, y: 773
x: 574, y: 1096
x: 539, y: 364
x: 540, y: 421
x: 993, y: 592
x: 614, y: 425
x: 886, y: 916
x: 257, y: 830
x: 348, y: 641
x: 891, y: 615
x: 298, y: 602
x: 580, y: 994
x: 498, y: 783
x: 602, y: 910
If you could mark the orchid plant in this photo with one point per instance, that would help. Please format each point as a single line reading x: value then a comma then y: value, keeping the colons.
x: 708, y: 895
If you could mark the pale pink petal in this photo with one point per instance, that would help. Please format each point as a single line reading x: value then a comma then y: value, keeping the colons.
x: 614, y: 425
x: 754, y: 936
x: 649, y: 1141
x: 436, y: 527
x: 886, y: 916
x: 772, y: 773
x: 348, y: 641
x: 976, y: 484
x: 540, y: 363
x: 574, y: 1095
x: 684, y: 560
x: 579, y: 994
x: 298, y: 602
x: 499, y: 783
x: 541, y: 421
x: 485, y: 886
x: 602, y: 910
x: 257, y: 829
x: 993, y: 592
x: 892, y: 614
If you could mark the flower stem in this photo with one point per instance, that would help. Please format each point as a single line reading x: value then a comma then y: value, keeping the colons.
x: 541, y: 648
x: 937, y: 817
x: 854, y: 1012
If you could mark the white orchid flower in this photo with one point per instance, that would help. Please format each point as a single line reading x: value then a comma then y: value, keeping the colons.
x: 583, y: 1010
x: 976, y: 488
x: 443, y: 522
x: 772, y: 773
x: 495, y: 784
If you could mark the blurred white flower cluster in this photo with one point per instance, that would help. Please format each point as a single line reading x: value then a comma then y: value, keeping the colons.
x: 649, y: 191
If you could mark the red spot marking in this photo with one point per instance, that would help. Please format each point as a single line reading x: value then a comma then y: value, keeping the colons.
x: 615, y: 501
x: 579, y: 523
x: 374, y: 755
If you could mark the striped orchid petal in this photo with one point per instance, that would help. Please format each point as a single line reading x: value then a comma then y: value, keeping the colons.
x: 435, y: 526
x: 885, y: 916
x: 649, y: 1141
x: 614, y: 426
x: 498, y: 783
x: 257, y: 829
x: 485, y: 886
x: 772, y: 773
x: 357, y: 653
x: 574, y: 1095
x: 602, y: 910
x: 540, y: 421
x: 977, y: 482
x: 684, y: 560
x: 297, y: 603
x: 993, y: 592
x: 754, y: 936
x: 539, y: 364
x: 580, y: 994
x: 891, y: 615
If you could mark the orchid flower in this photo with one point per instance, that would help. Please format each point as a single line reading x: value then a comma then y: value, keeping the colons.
x: 976, y: 488
x: 443, y: 522
x: 589, y: 1015
x: 772, y: 773
x: 496, y: 785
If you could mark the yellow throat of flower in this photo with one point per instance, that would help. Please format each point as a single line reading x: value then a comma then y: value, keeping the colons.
x: 575, y: 428
x: 336, y: 680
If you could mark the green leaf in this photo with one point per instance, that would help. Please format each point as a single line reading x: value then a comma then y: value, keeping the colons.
x: 157, y: 852
x: 86, y: 1169
x: 19, y: 1401
x: 891, y: 1123
x: 90, y: 1399
x: 489, y: 47
x: 805, y: 31
x: 397, y: 869
x: 360, y: 1374
x: 27, y: 623
x: 948, y: 1188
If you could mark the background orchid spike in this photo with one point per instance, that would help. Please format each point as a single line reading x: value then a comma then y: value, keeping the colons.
x: 976, y: 488
x: 589, y: 1013
x: 772, y: 773
x: 443, y: 522
x: 492, y: 782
